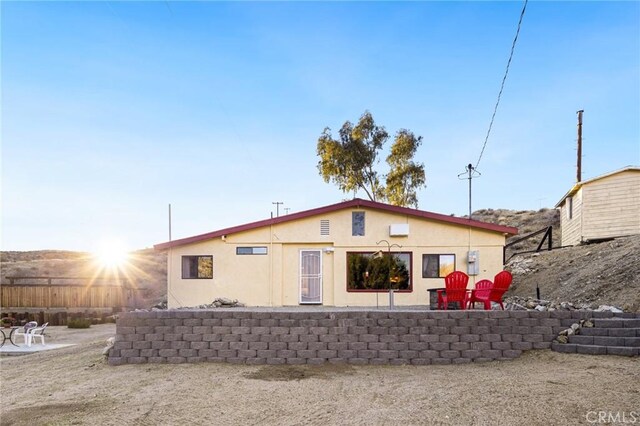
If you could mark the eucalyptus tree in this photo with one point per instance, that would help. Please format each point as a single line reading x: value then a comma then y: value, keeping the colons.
x: 351, y: 161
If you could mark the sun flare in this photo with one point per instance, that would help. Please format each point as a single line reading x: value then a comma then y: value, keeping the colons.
x: 111, y: 254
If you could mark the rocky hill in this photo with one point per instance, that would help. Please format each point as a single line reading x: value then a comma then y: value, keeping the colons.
x: 594, y: 274
x: 527, y: 222
x: 144, y: 268
x: 605, y: 273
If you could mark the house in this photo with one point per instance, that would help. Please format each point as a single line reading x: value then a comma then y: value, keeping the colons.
x: 606, y: 206
x: 345, y: 254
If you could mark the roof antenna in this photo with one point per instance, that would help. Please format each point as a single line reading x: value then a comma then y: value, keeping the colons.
x: 278, y: 204
x: 169, y: 221
x: 471, y: 173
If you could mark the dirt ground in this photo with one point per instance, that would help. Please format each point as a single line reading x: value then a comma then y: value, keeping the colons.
x: 74, y: 386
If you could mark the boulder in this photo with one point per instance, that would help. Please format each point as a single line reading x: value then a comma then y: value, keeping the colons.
x: 110, y: 342
x: 607, y: 308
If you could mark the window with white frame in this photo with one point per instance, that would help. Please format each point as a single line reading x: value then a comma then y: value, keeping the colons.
x: 438, y: 265
x: 250, y: 250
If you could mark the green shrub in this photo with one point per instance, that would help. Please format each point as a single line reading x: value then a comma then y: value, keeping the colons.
x: 79, y: 323
x: 7, y: 321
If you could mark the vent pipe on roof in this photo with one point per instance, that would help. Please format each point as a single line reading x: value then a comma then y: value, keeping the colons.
x: 579, y: 163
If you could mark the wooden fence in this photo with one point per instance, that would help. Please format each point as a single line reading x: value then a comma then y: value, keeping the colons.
x: 59, y: 293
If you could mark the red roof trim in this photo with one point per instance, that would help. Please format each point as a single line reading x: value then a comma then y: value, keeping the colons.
x: 355, y: 203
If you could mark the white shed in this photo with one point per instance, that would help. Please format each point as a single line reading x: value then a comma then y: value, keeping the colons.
x: 603, y: 207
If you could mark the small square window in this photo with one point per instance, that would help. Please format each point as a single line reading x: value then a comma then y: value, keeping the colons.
x: 197, y: 267
x: 438, y: 265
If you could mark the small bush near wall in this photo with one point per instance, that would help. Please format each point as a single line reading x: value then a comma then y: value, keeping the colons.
x: 79, y: 323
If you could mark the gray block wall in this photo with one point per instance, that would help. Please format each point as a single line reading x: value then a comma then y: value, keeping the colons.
x: 340, y: 335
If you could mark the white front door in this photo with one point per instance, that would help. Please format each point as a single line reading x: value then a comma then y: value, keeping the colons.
x: 310, y: 277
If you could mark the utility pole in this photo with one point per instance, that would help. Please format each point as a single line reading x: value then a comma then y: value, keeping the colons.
x: 169, y: 221
x: 471, y: 173
x: 286, y: 210
x: 277, y: 203
x: 579, y: 164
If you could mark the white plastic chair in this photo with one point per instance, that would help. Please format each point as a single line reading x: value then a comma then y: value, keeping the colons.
x: 37, y: 332
x: 23, y: 331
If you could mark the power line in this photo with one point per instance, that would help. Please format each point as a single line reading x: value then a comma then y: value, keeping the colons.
x: 504, y: 79
x: 169, y: 7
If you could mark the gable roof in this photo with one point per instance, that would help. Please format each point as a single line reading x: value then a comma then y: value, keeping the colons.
x: 351, y: 204
x: 576, y: 187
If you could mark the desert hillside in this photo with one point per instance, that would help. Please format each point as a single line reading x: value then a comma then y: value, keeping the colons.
x: 595, y: 274
x: 144, y: 269
x: 527, y: 222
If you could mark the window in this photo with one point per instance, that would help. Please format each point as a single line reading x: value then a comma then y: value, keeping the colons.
x: 357, y: 224
x: 324, y: 227
x: 438, y: 265
x: 369, y: 271
x: 251, y: 250
x: 570, y: 208
x: 197, y: 267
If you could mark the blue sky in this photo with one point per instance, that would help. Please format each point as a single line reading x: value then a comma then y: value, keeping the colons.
x: 112, y: 110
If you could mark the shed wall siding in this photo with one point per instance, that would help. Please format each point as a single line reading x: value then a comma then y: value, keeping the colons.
x: 571, y: 228
x: 612, y: 206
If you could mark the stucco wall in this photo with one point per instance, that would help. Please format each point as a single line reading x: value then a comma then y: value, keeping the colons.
x: 273, y: 279
x: 355, y: 336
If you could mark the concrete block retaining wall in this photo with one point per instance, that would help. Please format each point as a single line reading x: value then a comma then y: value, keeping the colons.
x: 354, y: 336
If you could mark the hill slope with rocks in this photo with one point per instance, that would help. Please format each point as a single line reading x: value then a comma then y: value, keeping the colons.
x: 606, y: 273
x: 527, y: 222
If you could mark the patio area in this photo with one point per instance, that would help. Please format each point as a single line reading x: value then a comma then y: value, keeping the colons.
x: 8, y: 349
x: 58, y: 337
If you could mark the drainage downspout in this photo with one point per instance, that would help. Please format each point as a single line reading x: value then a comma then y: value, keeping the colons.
x: 271, y: 265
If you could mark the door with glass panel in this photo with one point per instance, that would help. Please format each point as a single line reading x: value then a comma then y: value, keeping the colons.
x: 310, y: 277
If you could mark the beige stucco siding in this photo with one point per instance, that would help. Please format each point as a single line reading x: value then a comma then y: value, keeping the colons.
x: 273, y: 279
x: 241, y: 277
x: 612, y: 206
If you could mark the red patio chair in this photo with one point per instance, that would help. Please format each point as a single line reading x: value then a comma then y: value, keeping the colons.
x: 480, y: 293
x: 501, y: 284
x: 455, y: 290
